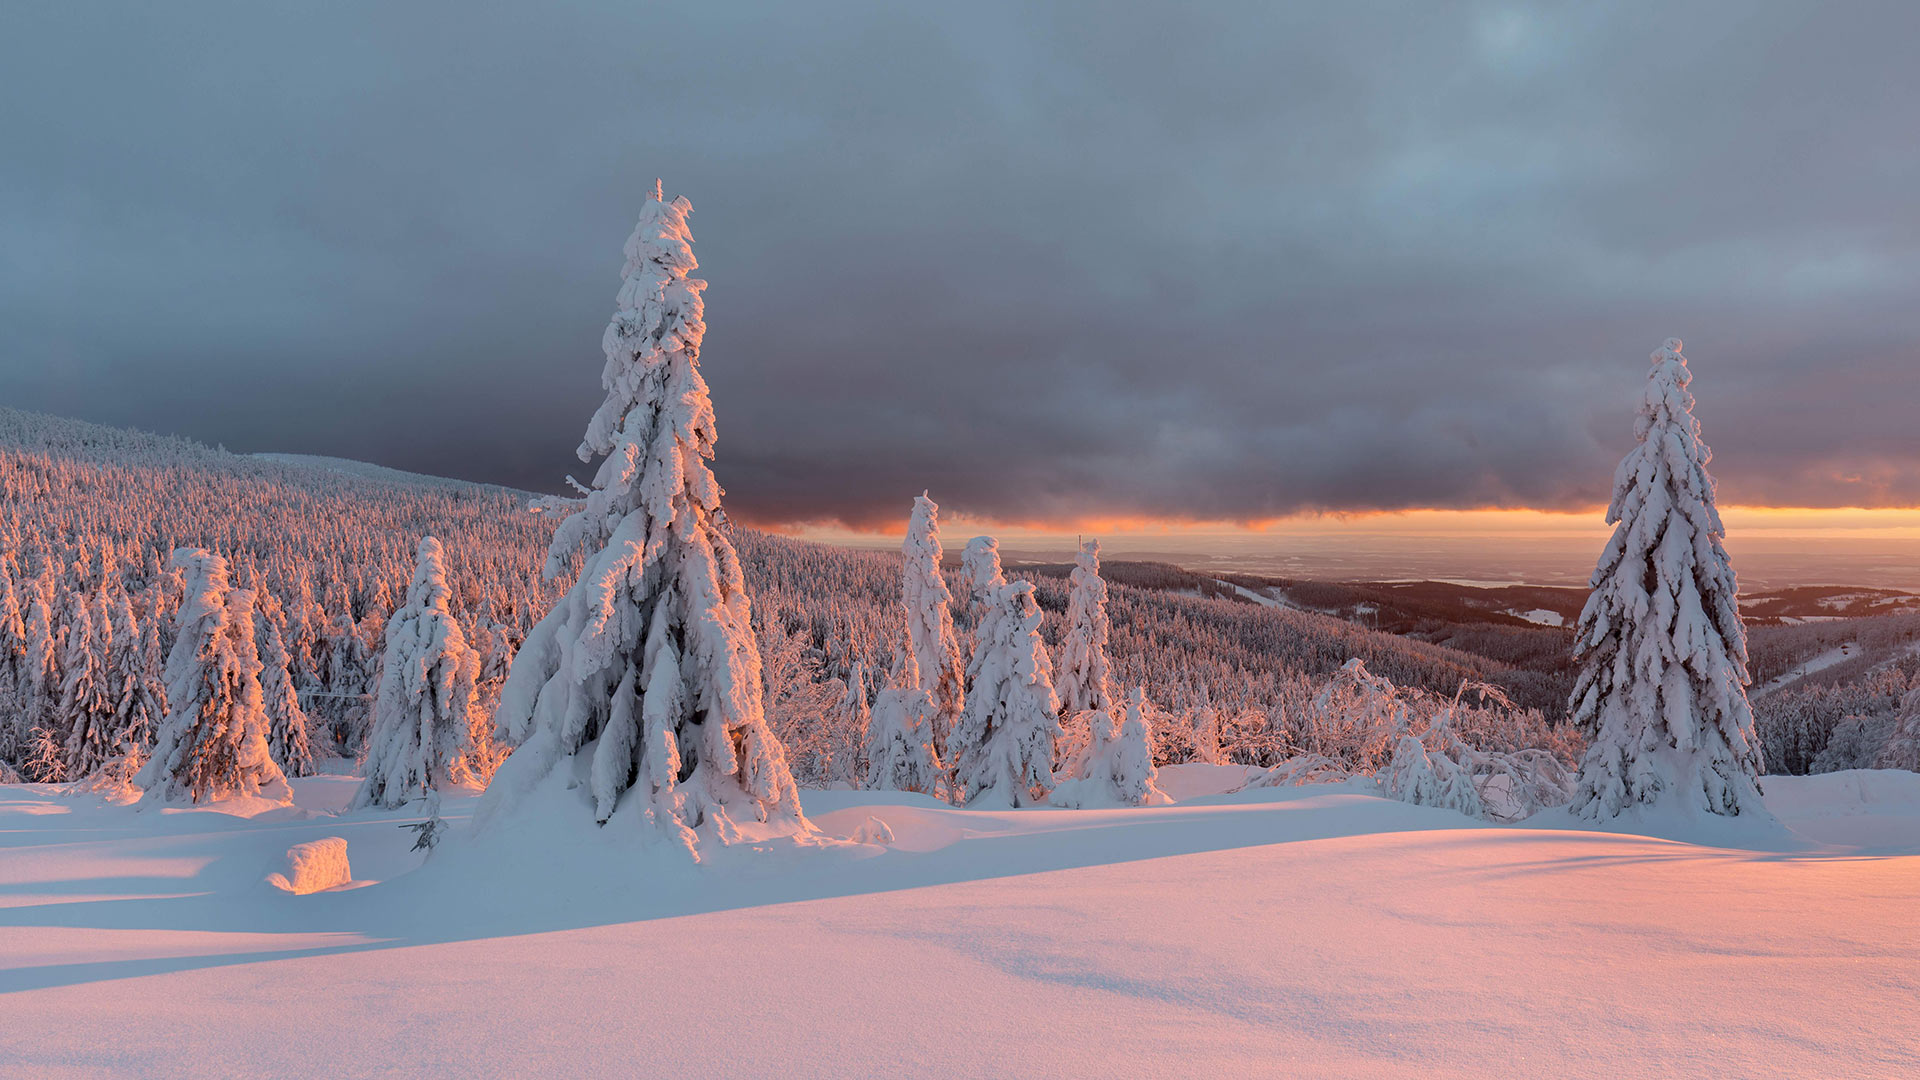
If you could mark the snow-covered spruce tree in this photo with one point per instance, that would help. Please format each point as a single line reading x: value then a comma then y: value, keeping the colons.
x: 1902, y: 748
x: 38, y: 695
x: 423, y: 713
x: 857, y: 721
x: 901, y: 753
x: 1117, y: 768
x: 648, y: 667
x: 1003, y: 746
x: 287, y: 737
x: 1133, y: 771
x: 13, y: 657
x: 1083, y: 683
x: 1661, y: 690
x: 86, y: 698
x: 1206, y: 728
x: 936, y: 651
x: 140, y: 691
x: 213, y: 743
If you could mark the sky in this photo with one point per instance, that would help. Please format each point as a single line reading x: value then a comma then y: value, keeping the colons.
x: 1133, y: 267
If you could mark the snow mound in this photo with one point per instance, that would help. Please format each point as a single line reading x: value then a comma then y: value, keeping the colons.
x: 313, y: 866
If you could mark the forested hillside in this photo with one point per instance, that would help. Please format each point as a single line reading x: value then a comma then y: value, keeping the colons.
x: 90, y: 514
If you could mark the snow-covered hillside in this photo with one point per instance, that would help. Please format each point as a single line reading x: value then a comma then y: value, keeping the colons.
x: 1315, y: 931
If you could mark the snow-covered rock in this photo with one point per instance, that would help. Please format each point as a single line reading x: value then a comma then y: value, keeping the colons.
x: 313, y: 866
x: 873, y: 831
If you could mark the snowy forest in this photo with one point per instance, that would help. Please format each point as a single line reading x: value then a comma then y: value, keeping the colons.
x: 191, y: 622
x: 90, y: 515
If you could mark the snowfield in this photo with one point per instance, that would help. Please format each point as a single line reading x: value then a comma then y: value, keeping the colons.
x: 1319, y: 931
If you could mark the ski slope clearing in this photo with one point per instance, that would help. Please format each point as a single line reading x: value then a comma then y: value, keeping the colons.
x: 1318, y: 931
x: 1822, y: 662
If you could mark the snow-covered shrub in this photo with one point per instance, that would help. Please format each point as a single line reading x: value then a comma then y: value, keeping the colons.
x: 1436, y: 767
x: 648, y: 668
x: 1411, y: 742
x: 1662, y: 651
x: 1428, y: 778
x: 1357, y: 717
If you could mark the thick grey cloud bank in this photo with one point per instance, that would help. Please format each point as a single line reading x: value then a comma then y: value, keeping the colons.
x: 1213, y: 261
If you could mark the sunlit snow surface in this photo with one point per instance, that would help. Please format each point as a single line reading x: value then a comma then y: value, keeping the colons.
x: 1303, y: 932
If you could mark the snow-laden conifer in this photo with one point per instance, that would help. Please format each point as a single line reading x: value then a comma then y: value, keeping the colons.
x: 37, y: 695
x: 649, y: 664
x: 287, y: 737
x: 1003, y: 746
x: 936, y: 651
x: 423, y: 714
x: 138, y: 686
x: 1661, y: 690
x: 857, y: 714
x: 213, y: 743
x: 1206, y: 728
x: 1116, y: 769
x: 901, y: 751
x: 13, y: 629
x: 1902, y: 748
x: 1083, y: 683
x: 86, y: 697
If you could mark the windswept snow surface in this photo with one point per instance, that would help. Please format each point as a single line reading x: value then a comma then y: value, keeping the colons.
x: 1318, y: 931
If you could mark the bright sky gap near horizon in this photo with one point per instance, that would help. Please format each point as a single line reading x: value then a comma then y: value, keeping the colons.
x: 1087, y: 268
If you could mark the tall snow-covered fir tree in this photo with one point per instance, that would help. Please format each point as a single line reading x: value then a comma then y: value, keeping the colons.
x: 38, y: 696
x: 936, y: 651
x: 423, y: 714
x: 1661, y: 690
x: 1083, y: 683
x: 86, y: 691
x: 213, y: 743
x: 901, y: 746
x: 287, y: 737
x: 13, y: 656
x: 139, y: 689
x: 1003, y: 746
x: 648, y: 667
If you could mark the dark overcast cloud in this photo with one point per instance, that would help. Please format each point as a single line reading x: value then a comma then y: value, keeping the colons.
x: 1222, y: 260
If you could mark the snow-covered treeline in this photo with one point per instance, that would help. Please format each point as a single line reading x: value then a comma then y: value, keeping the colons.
x: 89, y: 518
x: 87, y: 511
x: 1250, y: 671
